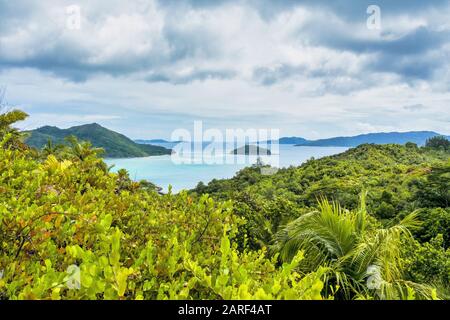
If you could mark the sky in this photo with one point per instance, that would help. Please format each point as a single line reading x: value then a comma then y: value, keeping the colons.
x: 311, y: 68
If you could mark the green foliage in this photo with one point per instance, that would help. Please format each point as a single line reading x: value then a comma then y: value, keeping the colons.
x: 435, y: 222
x: 430, y: 263
x: 114, y: 144
x: 350, y: 244
x: 63, y: 214
x: 385, y: 211
x: 387, y: 172
x: 399, y: 180
x: 10, y: 136
x: 433, y: 189
x: 51, y: 148
x: 438, y: 142
x: 127, y: 241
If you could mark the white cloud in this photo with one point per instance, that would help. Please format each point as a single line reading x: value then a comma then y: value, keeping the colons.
x: 63, y: 120
x: 310, y: 72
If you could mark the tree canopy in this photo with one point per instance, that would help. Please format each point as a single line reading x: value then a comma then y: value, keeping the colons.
x: 371, y: 223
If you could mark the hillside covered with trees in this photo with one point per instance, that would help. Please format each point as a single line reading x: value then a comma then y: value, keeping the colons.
x: 371, y: 223
x: 115, y: 145
x: 404, y: 187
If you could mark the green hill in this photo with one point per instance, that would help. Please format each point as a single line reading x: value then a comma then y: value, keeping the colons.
x: 389, y: 173
x: 115, y: 144
x: 65, y: 215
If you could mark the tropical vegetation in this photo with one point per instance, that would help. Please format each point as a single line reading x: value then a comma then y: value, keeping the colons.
x: 371, y: 223
x: 115, y: 145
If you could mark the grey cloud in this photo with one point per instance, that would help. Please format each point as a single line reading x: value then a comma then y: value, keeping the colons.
x: 356, y: 10
x: 331, y: 80
x: 196, y: 75
x: 418, y: 41
x: 414, y: 56
x: 198, y: 43
x: 409, y: 67
x: 13, y: 14
x: 57, y: 55
x: 348, y: 9
x: 68, y: 67
x: 408, y: 55
x: 269, y: 76
x: 194, y: 3
x: 415, y: 107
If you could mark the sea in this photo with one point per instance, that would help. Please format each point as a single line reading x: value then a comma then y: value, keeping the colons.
x: 190, y: 165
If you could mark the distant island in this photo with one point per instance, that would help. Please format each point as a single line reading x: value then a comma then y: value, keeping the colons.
x: 417, y: 137
x: 251, y: 150
x: 292, y: 140
x: 115, y: 144
x: 143, y: 141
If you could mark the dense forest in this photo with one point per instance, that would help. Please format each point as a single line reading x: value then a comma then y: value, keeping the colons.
x: 370, y: 223
x: 115, y: 145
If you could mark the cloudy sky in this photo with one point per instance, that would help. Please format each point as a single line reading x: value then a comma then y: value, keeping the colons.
x: 310, y: 68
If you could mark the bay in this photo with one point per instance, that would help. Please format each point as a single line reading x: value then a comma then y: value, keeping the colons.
x: 163, y: 171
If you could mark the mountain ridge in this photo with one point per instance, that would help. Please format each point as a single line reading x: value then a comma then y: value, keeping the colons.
x: 116, y: 145
x: 418, y: 137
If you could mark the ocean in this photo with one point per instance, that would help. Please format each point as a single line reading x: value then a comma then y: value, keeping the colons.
x: 195, y: 167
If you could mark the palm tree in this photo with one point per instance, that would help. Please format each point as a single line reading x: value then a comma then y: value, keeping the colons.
x: 82, y: 149
x: 51, y: 148
x: 364, y: 259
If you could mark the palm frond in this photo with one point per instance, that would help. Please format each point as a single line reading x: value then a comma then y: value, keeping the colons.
x: 351, y: 247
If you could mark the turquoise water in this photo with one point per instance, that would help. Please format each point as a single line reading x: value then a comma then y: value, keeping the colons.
x: 162, y: 170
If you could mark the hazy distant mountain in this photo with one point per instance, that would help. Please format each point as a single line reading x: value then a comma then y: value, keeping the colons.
x: 142, y: 141
x: 115, y: 144
x: 418, y: 137
x: 151, y: 141
x: 292, y: 140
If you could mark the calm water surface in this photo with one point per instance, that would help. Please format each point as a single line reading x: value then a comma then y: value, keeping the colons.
x: 162, y: 171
